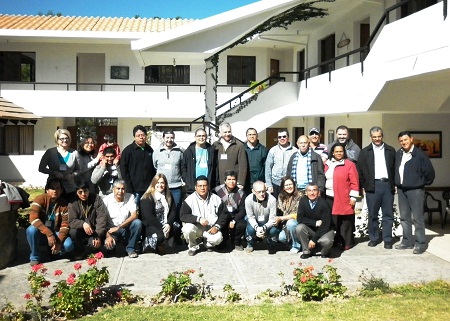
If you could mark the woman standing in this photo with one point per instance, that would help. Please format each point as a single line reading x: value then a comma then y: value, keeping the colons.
x: 87, y: 160
x: 157, y: 210
x: 342, y: 188
x: 60, y: 161
x: 287, y: 206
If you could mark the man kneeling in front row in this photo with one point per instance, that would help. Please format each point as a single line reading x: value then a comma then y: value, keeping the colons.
x: 315, y: 224
x: 203, y: 216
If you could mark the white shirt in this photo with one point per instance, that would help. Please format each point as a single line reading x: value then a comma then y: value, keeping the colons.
x: 380, y: 162
x: 405, y: 157
x: 120, y: 211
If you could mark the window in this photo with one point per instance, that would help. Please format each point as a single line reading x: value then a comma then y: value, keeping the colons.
x: 17, y: 140
x: 241, y: 70
x: 167, y: 74
x: 17, y: 66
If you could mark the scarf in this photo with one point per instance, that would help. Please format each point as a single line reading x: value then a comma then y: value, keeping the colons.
x: 161, y: 207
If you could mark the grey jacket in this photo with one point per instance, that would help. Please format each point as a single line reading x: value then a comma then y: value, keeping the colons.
x: 168, y: 162
x: 276, y: 164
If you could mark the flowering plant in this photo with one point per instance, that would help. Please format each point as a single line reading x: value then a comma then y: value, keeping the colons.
x: 316, y: 287
x: 72, y: 295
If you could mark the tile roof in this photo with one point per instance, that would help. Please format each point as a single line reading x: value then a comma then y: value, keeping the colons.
x: 9, y: 110
x: 64, y: 23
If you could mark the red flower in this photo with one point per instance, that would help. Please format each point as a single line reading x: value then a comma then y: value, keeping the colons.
x: 27, y: 296
x: 70, y: 280
x: 45, y: 284
x: 72, y: 275
x: 60, y: 294
x: 77, y: 266
x: 303, y: 279
x: 37, y: 267
x: 99, y: 255
x: 57, y: 273
x: 119, y: 294
x: 91, y: 261
x: 96, y: 291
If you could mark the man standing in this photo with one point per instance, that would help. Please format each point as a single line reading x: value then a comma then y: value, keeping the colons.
x: 277, y: 161
x: 203, y: 216
x: 343, y: 137
x: 167, y: 160
x: 413, y: 170
x: 261, y: 208
x: 305, y: 166
x: 233, y: 199
x: 230, y: 155
x: 315, y: 144
x: 199, y: 159
x: 315, y: 224
x: 376, y: 169
x: 256, y: 156
x: 107, y: 172
x: 137, y: 164
x: 124, y: 222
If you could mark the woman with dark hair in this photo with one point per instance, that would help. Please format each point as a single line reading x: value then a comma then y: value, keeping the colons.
x: 342, y: 189
x: 88, y: 220
x: 60, y: 162
x: 157, y: 210
x: 87, y: 160
x: 286, y: 218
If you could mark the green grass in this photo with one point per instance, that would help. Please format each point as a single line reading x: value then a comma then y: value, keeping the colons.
x: 405, y: 303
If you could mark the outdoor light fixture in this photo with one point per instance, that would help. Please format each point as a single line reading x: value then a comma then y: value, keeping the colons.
x: 174, y: 62
x: 344, y: 41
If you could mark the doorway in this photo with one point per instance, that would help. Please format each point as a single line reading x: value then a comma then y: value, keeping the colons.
x: 274, y: 71
x: 327, y: 51
x: 90, y: 70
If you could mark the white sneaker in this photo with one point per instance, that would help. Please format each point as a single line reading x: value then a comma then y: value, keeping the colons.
x: 294, y: 250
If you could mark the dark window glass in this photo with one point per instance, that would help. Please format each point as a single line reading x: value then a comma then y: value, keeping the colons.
x: 241, y: 70
x: 17, y: 66
x: 17, y: 140
x: 166, y: 74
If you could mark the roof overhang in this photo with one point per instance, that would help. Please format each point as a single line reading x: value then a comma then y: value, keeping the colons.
x: 193, y: 43
x: 14, y: 113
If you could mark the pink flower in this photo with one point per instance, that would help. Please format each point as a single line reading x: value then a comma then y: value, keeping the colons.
x: 37, y: 267
x: 27, y: 296
x: 60, y: 294
x: 91, y: 261
x: 96, y: 291
x: 57, y: 273
x: 330, y: 260
x: 45, y: 284
x: 72, y: 275
x: 70, y: 280
x: 303, y: 279
x: 99, y: 255
x: 77, y: 266
x: 119, y: 294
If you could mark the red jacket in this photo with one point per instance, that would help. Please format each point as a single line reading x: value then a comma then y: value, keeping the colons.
x: 345, y: 185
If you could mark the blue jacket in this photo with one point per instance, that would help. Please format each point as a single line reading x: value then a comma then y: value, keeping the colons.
x: 418, y: 170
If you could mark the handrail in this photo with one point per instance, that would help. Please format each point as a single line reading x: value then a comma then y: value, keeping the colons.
x: 363, y: 51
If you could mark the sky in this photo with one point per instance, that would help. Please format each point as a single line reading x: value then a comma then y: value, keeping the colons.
x: 196, y: 9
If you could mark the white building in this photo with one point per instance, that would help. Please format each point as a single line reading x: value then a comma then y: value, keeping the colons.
x: 123, y: 72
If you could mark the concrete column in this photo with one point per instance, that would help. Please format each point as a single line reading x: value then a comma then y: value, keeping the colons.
x: 210, y: 91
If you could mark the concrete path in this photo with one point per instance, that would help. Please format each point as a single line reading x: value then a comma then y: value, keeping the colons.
x: 248, y: 273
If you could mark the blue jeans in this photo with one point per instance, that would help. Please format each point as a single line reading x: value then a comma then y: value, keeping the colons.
x: 291, y: 225
x: 384, y: 199
x: 36, y: 238
x: 410, y: 203
x: 270, y: 233
x: 176, y: 193
x: 130, y: 233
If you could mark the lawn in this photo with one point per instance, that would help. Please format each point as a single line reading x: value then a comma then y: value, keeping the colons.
x: 411, y: 302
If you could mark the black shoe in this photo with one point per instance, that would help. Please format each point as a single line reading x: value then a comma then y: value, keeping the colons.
x: 372, y: 243
x: 192, y: 252
x: 388, y: 245
x: 272, y: 250
x: 402, y: 246
x: 418, y: 250
x: 305, y: 256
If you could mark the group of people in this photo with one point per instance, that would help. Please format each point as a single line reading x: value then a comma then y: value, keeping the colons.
x: 228, y: 191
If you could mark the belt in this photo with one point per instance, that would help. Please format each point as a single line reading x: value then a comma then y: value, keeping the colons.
x: 384, y: 179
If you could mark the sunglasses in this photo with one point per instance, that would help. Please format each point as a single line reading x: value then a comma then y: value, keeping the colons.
x: 280, y: 137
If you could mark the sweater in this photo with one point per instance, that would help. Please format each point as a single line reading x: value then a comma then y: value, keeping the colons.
x: 168, y: 162
x: 234, y: 157
x: 136, y: 165
x: 261, y: 212
x: 276, y: 164
x: 256, y: 157
x: 93, y: 212
x: 309, y: 216
x: 194, y: 207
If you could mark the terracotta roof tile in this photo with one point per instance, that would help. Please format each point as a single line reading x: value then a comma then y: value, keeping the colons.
x: 66, y: 23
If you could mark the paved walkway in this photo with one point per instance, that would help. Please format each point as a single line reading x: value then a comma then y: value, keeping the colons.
x: 248, y: 273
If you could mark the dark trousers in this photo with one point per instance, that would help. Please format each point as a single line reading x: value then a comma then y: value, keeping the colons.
x: 235, y: 234
x: 344, y: 225
x: 384, y: 199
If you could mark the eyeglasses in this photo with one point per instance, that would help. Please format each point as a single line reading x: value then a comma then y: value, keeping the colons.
x: 199, y: 136
x: 313, y: 134
x: 83, y: 191
x: 89, y: 143
x: 259, y: 192
x: 280, y: 137
x: 64, y: 139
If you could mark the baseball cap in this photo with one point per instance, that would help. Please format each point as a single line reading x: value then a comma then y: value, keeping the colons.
x: 314, y: 130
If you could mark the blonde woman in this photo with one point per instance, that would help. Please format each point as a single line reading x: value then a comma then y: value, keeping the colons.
x: 60, y: 162
x: 157, y: 209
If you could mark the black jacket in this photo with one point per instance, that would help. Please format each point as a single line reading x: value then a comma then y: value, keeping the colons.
x: 366, y: 167
x: 188, y: 167
x: 136, y: 165
x: 309, y: 216
x: 418, y: 170
x: 318, y: 176
x: 148, y: 215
